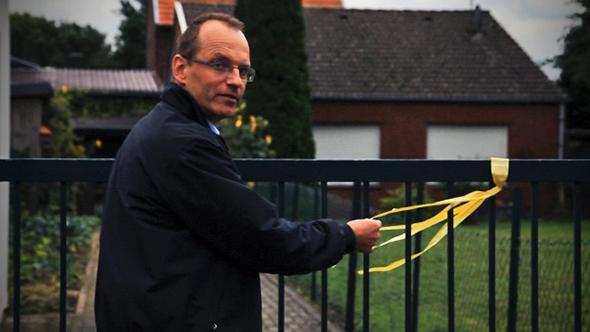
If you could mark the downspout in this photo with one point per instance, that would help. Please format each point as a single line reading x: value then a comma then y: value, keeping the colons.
x: 560, y: 149
x: 4, y: 148
x: 561, y: 137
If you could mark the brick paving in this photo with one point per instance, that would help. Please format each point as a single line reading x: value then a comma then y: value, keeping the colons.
x: 300, y: 314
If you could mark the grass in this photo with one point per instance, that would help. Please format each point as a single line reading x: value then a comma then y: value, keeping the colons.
x: 471, y: 281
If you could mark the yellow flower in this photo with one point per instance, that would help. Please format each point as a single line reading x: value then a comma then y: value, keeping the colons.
x: 239, y: 121
x: 64, y: 88
x: 98, y: 143
x: 251, y: 184
x: 252, y: 123
x: 268, y: 139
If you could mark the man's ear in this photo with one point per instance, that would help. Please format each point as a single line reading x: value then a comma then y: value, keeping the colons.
x: 179, y: 69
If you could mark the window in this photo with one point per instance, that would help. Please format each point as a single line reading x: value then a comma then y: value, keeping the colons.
x: 466, y: 142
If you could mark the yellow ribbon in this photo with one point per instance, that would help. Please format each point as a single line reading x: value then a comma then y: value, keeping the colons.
x: 462, y: 207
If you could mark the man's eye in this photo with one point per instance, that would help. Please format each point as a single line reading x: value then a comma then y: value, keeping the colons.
x: 218, y: 65
x: 244, y: 71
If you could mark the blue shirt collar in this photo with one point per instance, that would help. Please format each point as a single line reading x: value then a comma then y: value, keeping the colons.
x: 213, y: 128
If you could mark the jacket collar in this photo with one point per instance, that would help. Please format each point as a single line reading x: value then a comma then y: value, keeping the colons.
x: 183, y: 103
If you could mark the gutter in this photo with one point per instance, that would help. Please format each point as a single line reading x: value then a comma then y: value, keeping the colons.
x: 180, y: 16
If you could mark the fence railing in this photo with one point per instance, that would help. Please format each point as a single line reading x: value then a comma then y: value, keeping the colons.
x: 531, y: 173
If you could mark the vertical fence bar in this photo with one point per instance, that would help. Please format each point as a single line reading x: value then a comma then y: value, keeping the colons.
x: 534, y: 257
x: 450, y: 264
x: 514, y: 260
x: 492, y: 263
x: 417, y: 248
x: 451, y: 270
x: 16, y: 251
x: 281, y: 283
x: 324, y: 274
x: 577, y: 258
x: 352, y: 264
x: 366, y: 262
x: 63, y: 214
x: 408, y: 256
x: 316, y: 207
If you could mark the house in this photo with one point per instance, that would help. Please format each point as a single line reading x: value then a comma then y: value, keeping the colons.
x: 407, y: 84
x: 33, y: 86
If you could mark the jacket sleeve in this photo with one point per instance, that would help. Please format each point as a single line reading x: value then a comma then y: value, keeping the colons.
x: 204, y: 189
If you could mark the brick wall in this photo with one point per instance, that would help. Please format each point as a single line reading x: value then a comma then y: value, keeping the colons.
x: 532, y: 128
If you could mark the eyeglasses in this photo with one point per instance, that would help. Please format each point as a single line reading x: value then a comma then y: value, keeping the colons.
x: 222, y: 66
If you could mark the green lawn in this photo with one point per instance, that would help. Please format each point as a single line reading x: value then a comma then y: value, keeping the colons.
x: 471, y: 281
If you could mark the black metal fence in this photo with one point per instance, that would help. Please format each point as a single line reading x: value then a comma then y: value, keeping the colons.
x: 531, y: 173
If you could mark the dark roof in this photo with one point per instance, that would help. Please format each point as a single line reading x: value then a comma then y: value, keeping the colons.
x: 34, y: 89
x: 414, y: 56
x: 94, y: 81
x: 106, y: 123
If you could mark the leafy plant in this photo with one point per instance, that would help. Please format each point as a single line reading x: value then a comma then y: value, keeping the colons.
x: 246, y: 136
x: 62, y: 141
x: 40, y: 257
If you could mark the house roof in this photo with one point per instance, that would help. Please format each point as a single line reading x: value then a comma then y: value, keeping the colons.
x: 414, y: 56
x: 94, y: 81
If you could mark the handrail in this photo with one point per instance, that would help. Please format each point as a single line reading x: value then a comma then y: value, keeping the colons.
x: 297, y: 170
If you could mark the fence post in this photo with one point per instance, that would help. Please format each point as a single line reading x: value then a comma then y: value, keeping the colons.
x: 408, y: 255
x: 534, y: 258
x: 577, y: 258
x: 4, y: 149
x: 514, y: 260
x: 492, y: 263
x: 417, y: 248
x: 352, y: 263
x: 366, y: 262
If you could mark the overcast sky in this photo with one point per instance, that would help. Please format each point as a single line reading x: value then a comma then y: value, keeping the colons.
x: 536, y: 25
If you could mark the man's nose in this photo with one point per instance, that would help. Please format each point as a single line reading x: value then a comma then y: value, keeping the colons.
x: 233, y: 77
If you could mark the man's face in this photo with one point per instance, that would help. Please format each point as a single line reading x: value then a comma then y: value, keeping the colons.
x: 216, y: 92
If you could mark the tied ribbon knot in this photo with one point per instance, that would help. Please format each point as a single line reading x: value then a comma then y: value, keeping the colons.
x: 462, y: 207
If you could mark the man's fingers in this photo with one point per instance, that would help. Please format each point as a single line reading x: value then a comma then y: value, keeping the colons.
x: 366, y: 232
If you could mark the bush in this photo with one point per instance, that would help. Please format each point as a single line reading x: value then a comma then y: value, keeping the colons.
x: 246, y: 136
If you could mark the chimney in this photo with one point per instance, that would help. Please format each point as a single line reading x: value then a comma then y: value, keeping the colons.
x: 477, y: 19
x: 160, y: 37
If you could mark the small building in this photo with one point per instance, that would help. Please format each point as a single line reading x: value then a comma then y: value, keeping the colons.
x: 102, y: 129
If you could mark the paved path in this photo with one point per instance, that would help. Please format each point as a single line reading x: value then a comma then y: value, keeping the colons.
x: 300, y: 315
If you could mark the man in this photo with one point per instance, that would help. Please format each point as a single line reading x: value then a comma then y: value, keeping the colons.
x: 183, y: 239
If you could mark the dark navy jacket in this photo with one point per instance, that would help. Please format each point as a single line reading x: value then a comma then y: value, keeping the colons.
x: 183, y: 239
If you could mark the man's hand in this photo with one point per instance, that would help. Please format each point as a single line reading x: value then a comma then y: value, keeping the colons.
x: 366, y: 232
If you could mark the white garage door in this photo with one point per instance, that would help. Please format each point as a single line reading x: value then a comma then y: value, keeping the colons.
x: 467, y: 142
x: 347, y: 142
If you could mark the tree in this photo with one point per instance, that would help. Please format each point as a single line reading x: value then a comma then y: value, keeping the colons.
x: 575, y: 66
x: 131, y: 41
x: 42, y: 41
x: 276, y: 33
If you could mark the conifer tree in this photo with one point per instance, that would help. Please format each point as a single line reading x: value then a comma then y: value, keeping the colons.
x: 280, y: 93
x: 575, y: 65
